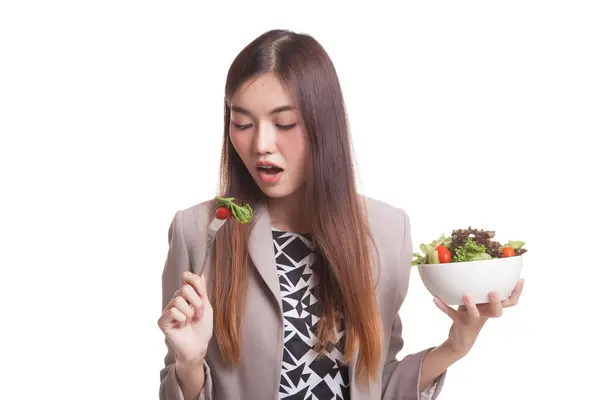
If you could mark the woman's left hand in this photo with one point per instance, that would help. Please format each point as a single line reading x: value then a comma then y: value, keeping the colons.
x: 469, y: 318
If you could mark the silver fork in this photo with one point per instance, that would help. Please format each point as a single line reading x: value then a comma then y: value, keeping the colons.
x: 214, y: 227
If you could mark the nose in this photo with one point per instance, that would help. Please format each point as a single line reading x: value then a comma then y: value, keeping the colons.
x: 265, y: 141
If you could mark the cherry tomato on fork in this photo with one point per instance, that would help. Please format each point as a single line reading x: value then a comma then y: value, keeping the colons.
x: 223, y: 213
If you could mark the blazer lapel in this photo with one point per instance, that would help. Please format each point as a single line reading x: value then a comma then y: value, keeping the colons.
x: 260, y: 249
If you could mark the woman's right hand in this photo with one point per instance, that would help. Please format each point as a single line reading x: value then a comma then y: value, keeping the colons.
x: 187, y: 321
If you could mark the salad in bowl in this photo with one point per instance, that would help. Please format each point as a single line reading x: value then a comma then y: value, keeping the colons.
x: 469, y: 261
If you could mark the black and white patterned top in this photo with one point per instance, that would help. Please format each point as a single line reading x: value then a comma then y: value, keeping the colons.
x: 304, y: 377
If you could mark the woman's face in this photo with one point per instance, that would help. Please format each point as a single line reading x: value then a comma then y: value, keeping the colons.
x: 267, y: 132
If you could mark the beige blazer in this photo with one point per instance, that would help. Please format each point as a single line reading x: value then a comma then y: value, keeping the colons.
x: 257, y: 377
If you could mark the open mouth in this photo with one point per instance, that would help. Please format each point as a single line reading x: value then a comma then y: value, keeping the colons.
x: 269, y: 169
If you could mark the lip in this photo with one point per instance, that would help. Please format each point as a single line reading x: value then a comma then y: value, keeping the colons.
x: 266, y: 164
x: 269, y: 179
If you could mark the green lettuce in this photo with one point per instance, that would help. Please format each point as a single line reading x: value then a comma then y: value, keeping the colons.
x: 430, y: 254
x: 470, y: 251
x: 243, y: 214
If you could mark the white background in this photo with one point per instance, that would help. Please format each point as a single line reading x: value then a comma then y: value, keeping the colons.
x: 463, y: 113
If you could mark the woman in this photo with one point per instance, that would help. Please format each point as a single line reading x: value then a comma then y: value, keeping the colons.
x: 304, y: 300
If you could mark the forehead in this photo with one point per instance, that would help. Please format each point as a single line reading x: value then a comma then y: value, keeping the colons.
x: 261, y: 95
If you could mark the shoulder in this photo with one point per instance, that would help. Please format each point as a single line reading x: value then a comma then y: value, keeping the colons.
x: 387, y: 220
x: 391, y: 231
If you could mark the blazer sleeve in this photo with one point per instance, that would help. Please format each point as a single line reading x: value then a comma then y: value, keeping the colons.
x: 401, y: 378
x: 177, y: 262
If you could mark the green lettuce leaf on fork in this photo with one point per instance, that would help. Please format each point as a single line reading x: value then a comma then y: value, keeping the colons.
x: 243, y: 214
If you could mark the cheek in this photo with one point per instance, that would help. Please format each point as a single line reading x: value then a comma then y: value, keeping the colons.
x: 295, y: 150
x: 240, y: 144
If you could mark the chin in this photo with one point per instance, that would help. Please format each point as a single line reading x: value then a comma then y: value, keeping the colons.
x: 276, y: 192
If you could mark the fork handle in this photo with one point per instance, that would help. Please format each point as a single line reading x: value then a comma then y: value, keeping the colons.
x: 208, y: 252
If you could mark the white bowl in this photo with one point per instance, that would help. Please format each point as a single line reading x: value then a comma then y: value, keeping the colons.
x: 451, y: 281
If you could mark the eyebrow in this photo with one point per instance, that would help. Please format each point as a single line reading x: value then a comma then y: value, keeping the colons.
x: 273, y: 111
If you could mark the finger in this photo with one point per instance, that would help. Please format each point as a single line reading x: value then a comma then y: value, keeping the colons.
x: 513, y: 299
x: 197, y: 282
x: 472, y: 310
x: 495, y: 306
x: 191, y: 296
x: 171, y: 302
x: 184, y: 307
x: 518, y: 291
x: 173, y: 315
x: 449, y: 311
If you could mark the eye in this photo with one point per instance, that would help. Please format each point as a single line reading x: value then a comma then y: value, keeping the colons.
x: 286, y: 127
x: 242, y: 127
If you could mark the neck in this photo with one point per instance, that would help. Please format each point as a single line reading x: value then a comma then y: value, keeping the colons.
x: 288, y: 214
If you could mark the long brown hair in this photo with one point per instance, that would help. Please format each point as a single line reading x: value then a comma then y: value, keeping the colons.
x: 336, y: 215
